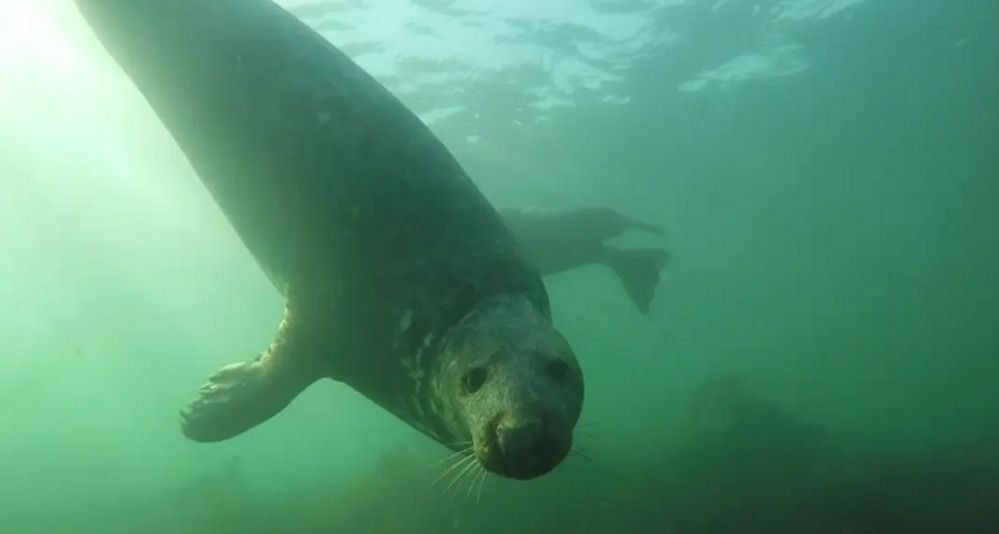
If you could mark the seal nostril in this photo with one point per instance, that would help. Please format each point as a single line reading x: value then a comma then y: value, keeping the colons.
x: 519, y: 440
x: 558, y: 370
x: 529, y: 446
x: 475, y: 379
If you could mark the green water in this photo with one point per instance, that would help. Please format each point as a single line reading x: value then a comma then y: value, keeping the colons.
x: 821, y: 355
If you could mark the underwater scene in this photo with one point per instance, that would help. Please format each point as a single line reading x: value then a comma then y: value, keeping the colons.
x: 499, y: 266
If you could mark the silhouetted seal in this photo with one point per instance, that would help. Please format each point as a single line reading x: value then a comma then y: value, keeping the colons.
x: 556, y: 241
x: 399, y: 277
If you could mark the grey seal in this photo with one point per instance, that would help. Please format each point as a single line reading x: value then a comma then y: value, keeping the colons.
x: 557, y: 241
x: 399, y: 278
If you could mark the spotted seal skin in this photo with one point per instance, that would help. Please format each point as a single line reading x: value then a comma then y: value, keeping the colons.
x: 399, y: 278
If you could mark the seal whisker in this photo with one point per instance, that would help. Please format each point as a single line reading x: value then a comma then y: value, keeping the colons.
x: 461, y: 474
x: 468, y: 475
x: 451, y: 469
x: 476, y: 475
x: 451, y: 456
x: 570, y: 461
x: 461, y: 463
x: 579, y: 452
x: 482, y: 482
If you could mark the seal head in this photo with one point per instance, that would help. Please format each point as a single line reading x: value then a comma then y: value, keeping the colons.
x: 509, y: 382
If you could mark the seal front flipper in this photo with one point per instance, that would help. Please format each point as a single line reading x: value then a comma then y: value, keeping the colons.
x: 243, y: 395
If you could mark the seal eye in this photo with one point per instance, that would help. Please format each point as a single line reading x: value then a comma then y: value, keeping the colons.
x: 474, y: 379
x: 558, y: 370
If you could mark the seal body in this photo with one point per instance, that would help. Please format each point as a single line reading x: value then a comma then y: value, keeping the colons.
x: 373, y: 233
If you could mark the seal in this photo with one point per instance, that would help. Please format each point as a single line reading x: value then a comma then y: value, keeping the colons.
x: 399, y: 278
x: 557, y: 241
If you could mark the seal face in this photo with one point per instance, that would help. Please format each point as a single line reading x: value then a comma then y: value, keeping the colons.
x: 509, y: 381
x: 399, y: 278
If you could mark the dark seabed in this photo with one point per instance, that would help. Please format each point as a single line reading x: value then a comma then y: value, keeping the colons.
x: 821, y: 356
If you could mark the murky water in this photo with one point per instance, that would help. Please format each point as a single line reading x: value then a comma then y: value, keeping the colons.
x: 821, y: 354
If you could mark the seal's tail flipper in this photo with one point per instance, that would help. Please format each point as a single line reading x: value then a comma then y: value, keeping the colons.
x: 647, y: 227
x: 243, y: 395
x: 639, y: 271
